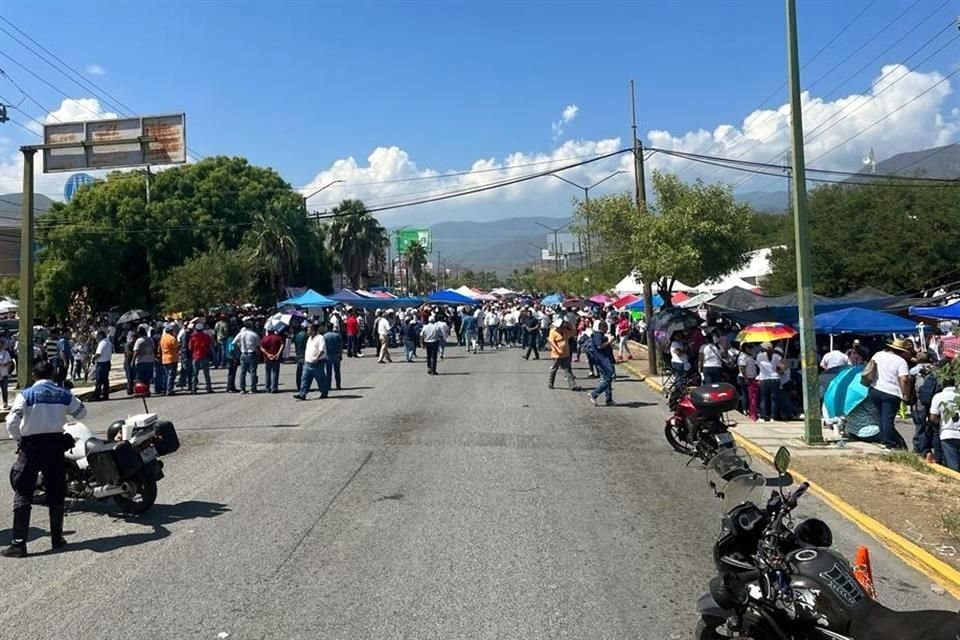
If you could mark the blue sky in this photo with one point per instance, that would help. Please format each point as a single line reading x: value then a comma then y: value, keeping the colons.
x: 301, y: 85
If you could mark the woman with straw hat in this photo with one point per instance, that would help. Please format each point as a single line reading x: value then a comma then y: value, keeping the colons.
x: 889, y: 378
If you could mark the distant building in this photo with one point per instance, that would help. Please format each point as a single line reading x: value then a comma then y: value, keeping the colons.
x: 10, y: 209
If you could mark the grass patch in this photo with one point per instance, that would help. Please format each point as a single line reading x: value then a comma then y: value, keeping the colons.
x: 908, y: 459
x: 951, y: 523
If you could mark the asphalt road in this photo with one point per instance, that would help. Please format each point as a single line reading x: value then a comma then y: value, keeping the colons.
x: 474, y: 504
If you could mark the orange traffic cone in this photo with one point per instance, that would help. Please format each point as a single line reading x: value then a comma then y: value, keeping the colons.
x: 863, y: 572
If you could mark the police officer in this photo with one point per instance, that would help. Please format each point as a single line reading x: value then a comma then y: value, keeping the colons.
x: 36, y: 423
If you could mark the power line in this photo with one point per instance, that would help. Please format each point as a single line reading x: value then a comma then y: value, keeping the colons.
x: 27, y: 96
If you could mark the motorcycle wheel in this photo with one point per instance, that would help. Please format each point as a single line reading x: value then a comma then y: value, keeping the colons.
x: 672, y: 433
x: 143, y: 499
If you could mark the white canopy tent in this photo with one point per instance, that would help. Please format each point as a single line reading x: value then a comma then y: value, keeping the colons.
x: 8, y: 305
x: 630, y: 284
x: 697, y: 300
x: 464, y: 290
x: 716, y: 287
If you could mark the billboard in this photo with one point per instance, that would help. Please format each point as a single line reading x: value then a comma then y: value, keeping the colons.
x: 406, y: 237
x: 111, y: 144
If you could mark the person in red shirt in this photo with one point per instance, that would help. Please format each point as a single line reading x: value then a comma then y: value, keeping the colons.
x: 201, y: 348
x: 272, y: 349
x: 353, y: 334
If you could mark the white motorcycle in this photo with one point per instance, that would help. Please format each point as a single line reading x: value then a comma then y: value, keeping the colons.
x: 125, y: 466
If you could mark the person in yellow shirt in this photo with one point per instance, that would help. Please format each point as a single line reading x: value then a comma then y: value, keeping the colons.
x: 169, y: 355
x: 559, y: 341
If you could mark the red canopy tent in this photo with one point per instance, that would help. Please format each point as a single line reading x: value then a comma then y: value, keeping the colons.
x: 625, y: 300
x: 678, y: 297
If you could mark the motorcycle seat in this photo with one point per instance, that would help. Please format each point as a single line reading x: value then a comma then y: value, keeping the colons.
x: 880, y: 623
x: 93, y: 443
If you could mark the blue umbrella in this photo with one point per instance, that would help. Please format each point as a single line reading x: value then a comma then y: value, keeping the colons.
x: 552, y: 299
x: 844, y: 392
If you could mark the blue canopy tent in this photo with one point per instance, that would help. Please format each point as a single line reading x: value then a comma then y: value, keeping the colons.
x: 449, y: 296
x: 946, y: 312
x: 310, y: 299
x: 637, y: 305
x: 862, y: 322
x: 384, y: 303
x: 345, y: 295
x: 552, y: 299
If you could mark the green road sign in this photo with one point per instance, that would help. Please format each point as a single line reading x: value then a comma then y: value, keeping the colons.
x: 406, y: 237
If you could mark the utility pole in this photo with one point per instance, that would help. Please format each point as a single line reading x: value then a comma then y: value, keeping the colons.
x: 438, y: 270
x: 640, y: 195
x: 811, y: 407
x: 25, y: 339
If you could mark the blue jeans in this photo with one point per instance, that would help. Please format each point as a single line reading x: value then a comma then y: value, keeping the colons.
x: 201, y: 365
x: 332, y: 371
x: 712, y: 375
x: 248, y: 364
x: 159, y: 377
x: 315, y: 371
x: 951, y: 453
x: 186, y: 370
x: 409, y: 346
x: 769, y: 399
x: 170, y: 371
x: 273, y: 375
x: 102, y: 377
x: 606, y: 380
x: 887, y: 406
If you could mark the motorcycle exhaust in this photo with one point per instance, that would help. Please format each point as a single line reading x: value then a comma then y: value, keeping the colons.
x: 109, y: 490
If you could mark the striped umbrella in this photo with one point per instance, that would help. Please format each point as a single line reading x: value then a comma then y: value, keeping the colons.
x: 766, y: 332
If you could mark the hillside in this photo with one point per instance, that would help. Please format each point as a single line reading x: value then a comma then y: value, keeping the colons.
x: 11, y: 205
x: 936, y: 162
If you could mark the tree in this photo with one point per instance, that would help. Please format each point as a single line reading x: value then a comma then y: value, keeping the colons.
x: 896, y: 238
x: 210, y: 278
x: 122, y: 248
x: 274, y: 251
x: 358, y: 241
x: 693, y: 232
x: 416, y: 261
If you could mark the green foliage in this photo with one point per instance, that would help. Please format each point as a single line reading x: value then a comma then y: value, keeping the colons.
x: 417, y: 259
x: 769, y: 230
x: 358, y: 241
x: 122, y: 248
x: 693, y: 232
x: 10, y: 287
x: 216, y: 276
x: 895, y: 238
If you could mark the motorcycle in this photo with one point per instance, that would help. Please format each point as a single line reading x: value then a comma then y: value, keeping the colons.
x: 126, y: 466
x: 777, y: 581
x: 697, y: 427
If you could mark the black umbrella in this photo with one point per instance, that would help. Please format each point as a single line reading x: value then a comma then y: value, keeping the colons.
x: 134, y: 315
x: 673, y: 319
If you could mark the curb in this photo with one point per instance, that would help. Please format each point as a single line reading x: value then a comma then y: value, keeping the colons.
x: 935, y: 569
x: 653, y: 384
x: 944, y: 471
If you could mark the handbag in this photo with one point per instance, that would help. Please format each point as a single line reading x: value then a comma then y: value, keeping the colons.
x: 869, y: 375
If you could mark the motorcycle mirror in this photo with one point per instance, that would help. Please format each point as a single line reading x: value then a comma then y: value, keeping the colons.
x: 781, y: 461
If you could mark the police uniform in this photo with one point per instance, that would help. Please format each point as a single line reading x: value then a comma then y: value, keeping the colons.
x: 36, y: 423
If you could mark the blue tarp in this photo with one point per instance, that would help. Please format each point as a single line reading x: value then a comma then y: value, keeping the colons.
x: 449, y: 296
x: 310, y: 298
x: 863, y: 322
x: 384, y: 303
x: 637, y: 305
x: 552, y: 299
x: 345, y: 295
x: 946, y: 312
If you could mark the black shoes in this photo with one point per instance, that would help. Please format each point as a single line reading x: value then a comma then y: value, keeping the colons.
x: 15, y: 550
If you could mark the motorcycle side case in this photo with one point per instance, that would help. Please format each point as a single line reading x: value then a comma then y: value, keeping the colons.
x: 714, y: 399
x: 826, y: 593
x: 167, y: 440
x: 114, y: 462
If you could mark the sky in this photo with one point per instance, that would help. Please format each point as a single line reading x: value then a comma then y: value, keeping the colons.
x: 386, y: 96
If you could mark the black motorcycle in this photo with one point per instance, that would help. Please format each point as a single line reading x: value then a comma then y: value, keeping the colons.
x: 782, y: 582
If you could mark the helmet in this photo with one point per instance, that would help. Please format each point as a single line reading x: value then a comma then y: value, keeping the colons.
x: 814, y: 533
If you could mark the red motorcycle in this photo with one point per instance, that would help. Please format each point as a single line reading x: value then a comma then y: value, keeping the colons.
x: 697, y: 427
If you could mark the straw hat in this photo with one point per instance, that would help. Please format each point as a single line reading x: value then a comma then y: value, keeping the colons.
x: 904, y: 346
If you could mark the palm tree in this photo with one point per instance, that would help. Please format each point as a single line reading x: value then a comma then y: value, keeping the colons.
x: 356, y: 238
x: 417, y: 259
x: 273, y: 242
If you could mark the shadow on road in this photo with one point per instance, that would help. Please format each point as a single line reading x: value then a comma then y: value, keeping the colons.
x: 635, y: 404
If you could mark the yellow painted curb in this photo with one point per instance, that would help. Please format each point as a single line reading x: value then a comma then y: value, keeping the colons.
x: 653, y: 384
x: 924, y: 562
x: 946, y: 471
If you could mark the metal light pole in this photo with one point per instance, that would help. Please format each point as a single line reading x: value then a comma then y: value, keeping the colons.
x: 556, y: 252
x: 25, y: 309
x: 586, y: 199
x: 808, y: 345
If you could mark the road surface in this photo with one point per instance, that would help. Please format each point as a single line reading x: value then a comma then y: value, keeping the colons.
x: 474, y: 504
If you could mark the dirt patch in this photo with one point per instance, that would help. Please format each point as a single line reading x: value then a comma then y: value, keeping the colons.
x: 923, y: 507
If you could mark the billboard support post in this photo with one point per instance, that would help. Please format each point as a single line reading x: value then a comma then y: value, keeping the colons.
x: 25, y: 308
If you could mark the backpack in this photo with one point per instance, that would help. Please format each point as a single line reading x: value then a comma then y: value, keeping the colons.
x: 929, y: 388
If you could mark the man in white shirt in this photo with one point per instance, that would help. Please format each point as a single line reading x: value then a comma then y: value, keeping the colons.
x: 314, y: 363
x: 769, y: 364
x: 945, y: 413
x: 834, y: 359
x: 431, y: 334
x: 247, y: 343
x: 101, y: 364
x: 382, y: 327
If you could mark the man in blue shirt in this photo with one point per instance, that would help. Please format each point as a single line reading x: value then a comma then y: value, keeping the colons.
x: 334, y: 345
x: 64, y: 358
x: 36, y: 423
x: 468, y: 324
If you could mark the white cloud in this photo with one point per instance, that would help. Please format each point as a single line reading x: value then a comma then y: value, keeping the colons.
x: 96, y: 70
x: 566, y: 117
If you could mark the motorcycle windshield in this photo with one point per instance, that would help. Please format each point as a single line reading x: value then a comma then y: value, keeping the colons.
x: 730, y: 478
x: 748, y: 486
x: 725, y: 465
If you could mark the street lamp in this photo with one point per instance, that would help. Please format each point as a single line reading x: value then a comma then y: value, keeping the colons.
x: 556, y: 254
x: 539, y: 253
x: 586, y: 199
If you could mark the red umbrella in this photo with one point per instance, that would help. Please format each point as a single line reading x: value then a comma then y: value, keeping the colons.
x: 625, y: 300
